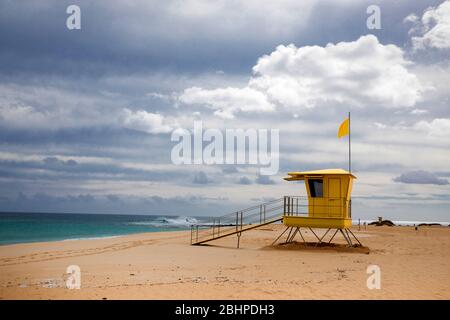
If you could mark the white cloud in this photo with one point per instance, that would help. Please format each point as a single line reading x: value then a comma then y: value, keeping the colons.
x: 145, y: 121
x: 434, y: 28
x: 419, y: 111
x: 380, y: 125
x: 21, y: 116
x: 438, y: 127
x: 50, y: 107
x: 157, y: 95
x: 227, y: 101
x: 411, y: 18
x: 359, y: 73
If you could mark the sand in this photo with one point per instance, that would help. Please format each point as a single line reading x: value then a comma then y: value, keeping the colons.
x: 414, y: 265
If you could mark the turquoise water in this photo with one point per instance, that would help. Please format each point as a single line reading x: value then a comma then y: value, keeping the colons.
x: 36, y: 227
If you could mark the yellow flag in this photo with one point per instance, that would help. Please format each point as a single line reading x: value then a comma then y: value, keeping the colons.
x: 343, y: 129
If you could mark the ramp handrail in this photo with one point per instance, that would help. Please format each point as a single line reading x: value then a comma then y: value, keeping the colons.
x: 240, y: 220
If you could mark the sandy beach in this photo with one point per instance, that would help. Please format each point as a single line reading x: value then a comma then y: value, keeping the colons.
x: 414, y: 265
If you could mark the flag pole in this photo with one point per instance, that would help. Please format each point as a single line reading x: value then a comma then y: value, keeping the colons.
x: 349, y: 145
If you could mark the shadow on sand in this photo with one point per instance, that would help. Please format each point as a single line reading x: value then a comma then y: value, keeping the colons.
x: 314, y: 246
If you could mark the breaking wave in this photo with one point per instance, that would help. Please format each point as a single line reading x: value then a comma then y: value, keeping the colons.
x: 164, y: 222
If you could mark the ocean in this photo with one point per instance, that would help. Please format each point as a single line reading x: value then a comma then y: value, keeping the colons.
x: 37, y: 227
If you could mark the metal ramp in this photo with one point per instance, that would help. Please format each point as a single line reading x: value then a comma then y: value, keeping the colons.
x: 295, y: 208
x: 237, y: 222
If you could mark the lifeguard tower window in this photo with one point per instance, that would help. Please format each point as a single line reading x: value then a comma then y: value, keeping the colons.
x: 316, y: 188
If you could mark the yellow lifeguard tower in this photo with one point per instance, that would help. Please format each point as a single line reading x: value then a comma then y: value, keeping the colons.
x: 329, y: 196
x: 328, y: 203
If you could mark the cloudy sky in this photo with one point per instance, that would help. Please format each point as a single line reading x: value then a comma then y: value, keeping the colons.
x: 86, y: 116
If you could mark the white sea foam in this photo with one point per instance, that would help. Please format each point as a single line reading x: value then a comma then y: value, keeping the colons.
x: 162, y: 222
x: 90, y: 238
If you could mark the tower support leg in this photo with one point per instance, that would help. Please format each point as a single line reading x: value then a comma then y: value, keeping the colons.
x: 289, y: 235
x: 333, y: 235
x: 324, y: 235
x: 293, y: 235
x: 354, y: 237
x: 301, y: 235
x: 345, y: 237
x: 280, y: 235
x: 238, y: 239
x: 347, y: 234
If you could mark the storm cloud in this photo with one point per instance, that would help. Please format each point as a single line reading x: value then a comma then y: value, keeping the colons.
x: 86, y: 115
x: 421, y: 177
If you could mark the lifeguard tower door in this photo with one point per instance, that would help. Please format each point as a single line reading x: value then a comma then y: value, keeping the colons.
x: 317, y: 202
x: 334, y: 197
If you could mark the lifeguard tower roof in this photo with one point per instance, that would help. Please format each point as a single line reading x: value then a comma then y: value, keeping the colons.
x: 294, y: 176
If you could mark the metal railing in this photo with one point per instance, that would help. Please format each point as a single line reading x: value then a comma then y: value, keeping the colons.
x: 271, y: 211
x: 237, y: 221
x: 316, y: 207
